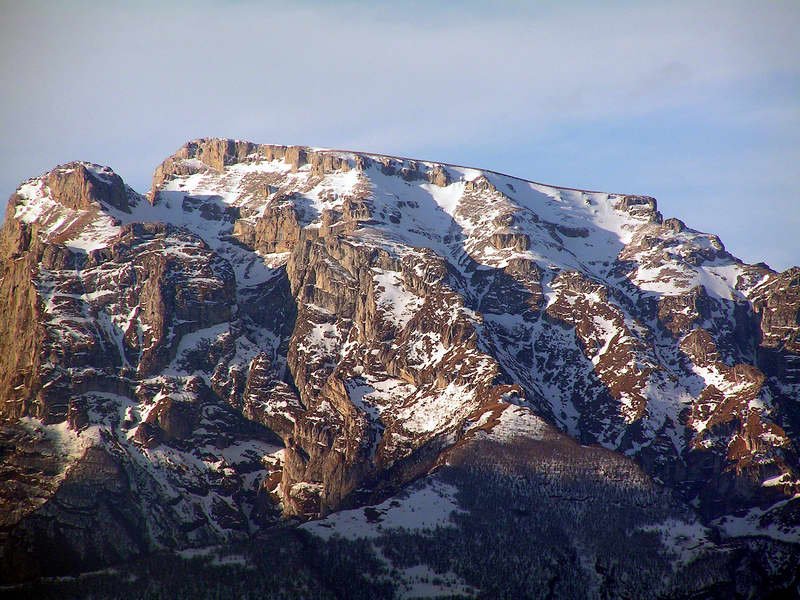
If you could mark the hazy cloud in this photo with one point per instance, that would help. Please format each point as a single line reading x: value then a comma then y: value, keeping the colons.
x: 127, y: 83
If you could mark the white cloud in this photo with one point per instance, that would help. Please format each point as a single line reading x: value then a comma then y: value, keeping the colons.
x: 344, y: 71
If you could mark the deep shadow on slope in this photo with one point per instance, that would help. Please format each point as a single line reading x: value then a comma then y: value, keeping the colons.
x: 547, y: 518
x: 283, y: 563
x: 109, y: 508
x: 552, y: 519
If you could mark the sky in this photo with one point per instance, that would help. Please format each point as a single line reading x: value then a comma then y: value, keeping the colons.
x: 694, y: 103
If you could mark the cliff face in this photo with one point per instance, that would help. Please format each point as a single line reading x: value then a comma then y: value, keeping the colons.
x: 284, y: 331
x: 20, y: 330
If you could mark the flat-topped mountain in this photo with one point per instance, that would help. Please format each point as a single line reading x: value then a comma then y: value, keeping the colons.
x: 279, y: 333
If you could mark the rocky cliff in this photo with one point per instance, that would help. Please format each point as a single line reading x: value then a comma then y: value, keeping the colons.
x: 282, y: 332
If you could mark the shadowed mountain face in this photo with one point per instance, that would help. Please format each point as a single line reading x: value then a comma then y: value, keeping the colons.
x: 276, y: 334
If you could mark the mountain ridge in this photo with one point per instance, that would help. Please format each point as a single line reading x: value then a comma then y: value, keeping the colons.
x: 283, y: 332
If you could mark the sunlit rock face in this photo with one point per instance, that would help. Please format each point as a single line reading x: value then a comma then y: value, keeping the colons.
x: 281, y: 331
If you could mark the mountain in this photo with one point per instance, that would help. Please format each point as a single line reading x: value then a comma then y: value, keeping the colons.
x: 506, y: 388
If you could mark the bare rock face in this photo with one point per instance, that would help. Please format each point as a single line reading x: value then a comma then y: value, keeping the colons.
x: 777, y: 304
x: 90, y: 521
x: 283, y: 332
x: 81, y: 185
x: 21, y: 313
x: 679, y: 313
x: 277, y: 230
x: 213, y: 153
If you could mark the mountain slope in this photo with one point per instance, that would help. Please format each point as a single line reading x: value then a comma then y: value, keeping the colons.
x: 286, y: 331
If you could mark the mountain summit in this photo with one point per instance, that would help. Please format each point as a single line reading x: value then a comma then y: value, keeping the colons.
x: 282, y: 334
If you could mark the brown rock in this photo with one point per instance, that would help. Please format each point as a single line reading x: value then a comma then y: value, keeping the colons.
x: 80, y: 186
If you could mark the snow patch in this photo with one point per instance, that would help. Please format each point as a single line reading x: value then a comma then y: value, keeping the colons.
x: 424, y: 505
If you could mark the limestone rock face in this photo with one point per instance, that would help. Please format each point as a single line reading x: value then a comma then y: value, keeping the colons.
x: 777, y: 305
x: 82, y: 185
x: 21, y: 333
x: 282, y: 332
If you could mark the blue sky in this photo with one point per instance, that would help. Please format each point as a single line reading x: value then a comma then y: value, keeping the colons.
x: 695, y: 103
